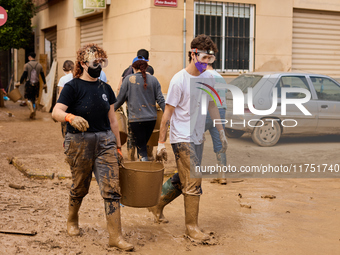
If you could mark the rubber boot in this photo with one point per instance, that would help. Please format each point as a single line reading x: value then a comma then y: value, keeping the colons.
x: 112, y: 211
x: 150, y: 152
x: 72, y: 220
x: 169, y: 193
x: 35, y: 111
x: 222, y: 161
x: 191, y: 205
x: 30, y: 107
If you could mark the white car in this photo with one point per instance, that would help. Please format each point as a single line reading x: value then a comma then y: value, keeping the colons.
x: 266, y: 130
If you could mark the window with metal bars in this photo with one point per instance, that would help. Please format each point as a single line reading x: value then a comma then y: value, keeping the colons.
x: 231, y: 27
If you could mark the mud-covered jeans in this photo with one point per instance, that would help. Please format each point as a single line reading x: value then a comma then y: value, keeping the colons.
x: 93, y: 152
x: 31, y: 91
x: 188, y: 155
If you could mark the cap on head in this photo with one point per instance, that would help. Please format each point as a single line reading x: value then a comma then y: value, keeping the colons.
x: 144, y: 53
x: 139, y: 58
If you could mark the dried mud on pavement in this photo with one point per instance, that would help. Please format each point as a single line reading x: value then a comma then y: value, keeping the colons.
x: 248, y: 216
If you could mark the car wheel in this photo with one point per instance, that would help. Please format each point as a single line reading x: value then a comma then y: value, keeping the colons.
x: 268, y: 134
x: 233, y: 133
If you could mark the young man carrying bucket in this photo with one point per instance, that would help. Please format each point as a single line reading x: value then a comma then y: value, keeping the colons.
x: 187, y: 125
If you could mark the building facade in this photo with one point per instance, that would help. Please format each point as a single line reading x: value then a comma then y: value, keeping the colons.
x: 252, y: 35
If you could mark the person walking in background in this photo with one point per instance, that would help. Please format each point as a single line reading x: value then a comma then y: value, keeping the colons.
x: 209, y: 125
x: 102, y: 76
x: 32, y: 69
x: 141, y: 91
x: 129, y: 70
x: 68, y: 67
x: 187, y: 123
x: 92, y: 142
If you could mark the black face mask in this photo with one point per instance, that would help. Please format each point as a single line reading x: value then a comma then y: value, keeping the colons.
x: 94, y: 72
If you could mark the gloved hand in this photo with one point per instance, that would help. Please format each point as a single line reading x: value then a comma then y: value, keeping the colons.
x: 224, y: 141
x: 77, y: 122
x: 45, y: 88
x: 120, y: 155
x: 161, y: 152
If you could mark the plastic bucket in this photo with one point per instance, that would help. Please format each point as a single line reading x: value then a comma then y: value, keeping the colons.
x: 14, y: 95
x: 141, y: 183
x: 121, y: 118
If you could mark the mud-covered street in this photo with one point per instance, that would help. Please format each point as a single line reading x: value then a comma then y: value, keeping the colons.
x: 246, y: 216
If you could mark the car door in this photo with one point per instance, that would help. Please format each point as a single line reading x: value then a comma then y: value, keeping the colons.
x: 305, y: 123
x: 328, y: 94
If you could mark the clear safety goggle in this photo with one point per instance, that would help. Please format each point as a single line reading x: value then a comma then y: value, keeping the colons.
x: 94, y: 63
x: 204, y: 56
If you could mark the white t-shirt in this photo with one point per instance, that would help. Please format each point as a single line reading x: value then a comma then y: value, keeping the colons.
x: 65, y: 79
x: 187, y: 122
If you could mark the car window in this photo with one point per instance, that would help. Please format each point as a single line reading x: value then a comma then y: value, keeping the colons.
x: 292, y: 82
x: 326, y: 89
x: 246, y: 81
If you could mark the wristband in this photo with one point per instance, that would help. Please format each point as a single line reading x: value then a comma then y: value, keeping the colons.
x: 69, y: 117
x: 160, y: 142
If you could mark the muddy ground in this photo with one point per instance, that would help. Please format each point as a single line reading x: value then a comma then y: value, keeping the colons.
x: 302, y: 219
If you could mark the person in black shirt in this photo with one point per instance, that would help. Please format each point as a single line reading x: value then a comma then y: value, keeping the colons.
x: 92, y: 142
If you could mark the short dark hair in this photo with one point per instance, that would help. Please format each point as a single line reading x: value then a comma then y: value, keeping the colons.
x: 32, y: 54
x: 144, y: 53
x: 68, y: 65
x: 202, y: 42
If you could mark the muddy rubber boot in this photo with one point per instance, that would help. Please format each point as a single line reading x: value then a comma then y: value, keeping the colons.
x: 30, y: 107
x: 72, y: 220
x: 222, y: 161
x: 112, y: 211
x: 169, y: 193
x: 191, y: 205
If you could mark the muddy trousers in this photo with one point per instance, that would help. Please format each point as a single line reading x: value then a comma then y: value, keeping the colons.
x: 95, y: 152
x: 188, y: 156
x: 31, y: 91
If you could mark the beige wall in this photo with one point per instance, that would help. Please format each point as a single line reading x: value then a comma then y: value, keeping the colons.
x: 134, y: 24
x: 60, y: 15
x: 126, y: 30
x: 167, y: 40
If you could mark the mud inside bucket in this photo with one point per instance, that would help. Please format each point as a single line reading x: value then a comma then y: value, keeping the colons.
x: 141, y: 183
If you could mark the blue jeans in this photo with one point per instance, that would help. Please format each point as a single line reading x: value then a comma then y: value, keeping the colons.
x: 215, y: 136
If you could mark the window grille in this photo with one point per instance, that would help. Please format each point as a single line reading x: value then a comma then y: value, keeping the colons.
x: 231, y: 27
